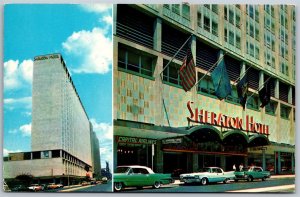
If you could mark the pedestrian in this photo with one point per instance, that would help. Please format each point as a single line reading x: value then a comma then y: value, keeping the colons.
x: 233, y: 167
x: 241, y: 167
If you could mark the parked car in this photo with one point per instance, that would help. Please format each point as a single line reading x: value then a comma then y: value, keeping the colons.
x: 251, y: 173
x: 208, y: 175
x: 54, y: 186
x: 84, y: 183
x: 20, y: 188
x: 104, y: 180
x: 35, y: 187
x: 138, y: 176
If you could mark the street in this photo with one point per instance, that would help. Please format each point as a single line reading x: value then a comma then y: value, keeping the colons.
x: 270, y: 185
x: 89, y: 188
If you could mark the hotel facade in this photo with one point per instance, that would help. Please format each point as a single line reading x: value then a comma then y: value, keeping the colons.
x: 158, y: 124
x: 63, y: 143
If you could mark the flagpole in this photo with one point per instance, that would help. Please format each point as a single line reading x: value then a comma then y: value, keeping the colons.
x: 210, y: 68
x: 176, y: 54
x: 258, y: 89
x: 242, y: 74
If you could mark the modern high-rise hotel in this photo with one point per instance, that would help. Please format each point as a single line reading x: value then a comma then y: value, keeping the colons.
x: 64, y: 146
x: 158, y: 124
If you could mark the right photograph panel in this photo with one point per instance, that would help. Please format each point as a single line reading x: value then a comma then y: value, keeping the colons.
x: 204, y: 98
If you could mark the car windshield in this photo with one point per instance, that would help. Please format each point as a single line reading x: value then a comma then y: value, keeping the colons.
x: 122, y: 169
x: 204, y: 170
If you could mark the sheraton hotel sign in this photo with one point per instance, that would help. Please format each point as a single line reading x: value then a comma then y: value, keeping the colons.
x: 222, y: 120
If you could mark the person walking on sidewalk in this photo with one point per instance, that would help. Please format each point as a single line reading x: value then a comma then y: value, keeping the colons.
x: 233, y: 167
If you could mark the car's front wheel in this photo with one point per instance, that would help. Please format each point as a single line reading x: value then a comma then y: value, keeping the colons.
x: 203, y: 181
x: 156, y: 185
x: 118, y: 186
x: 226, y: 181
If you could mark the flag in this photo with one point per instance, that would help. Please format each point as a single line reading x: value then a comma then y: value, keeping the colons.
x: 187, y: 72
x: 265, y: 94
x: 221, y: 80
x: 242, y: 89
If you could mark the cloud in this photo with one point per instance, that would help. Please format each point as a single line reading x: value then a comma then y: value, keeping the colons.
x: 97, y: 8
x: 16, y: 103
x: 102, y: 129
x: 107, y: 19
x: 6, y: 151
x: 17, y: 75
x: 91, y: 50
x: 26, y: 129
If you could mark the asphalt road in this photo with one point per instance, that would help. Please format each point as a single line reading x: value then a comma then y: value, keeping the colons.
x: 96, y: 188
x: 220, y: 187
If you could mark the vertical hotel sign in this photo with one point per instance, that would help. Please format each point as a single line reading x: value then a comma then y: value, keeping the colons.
x: 222, y: 120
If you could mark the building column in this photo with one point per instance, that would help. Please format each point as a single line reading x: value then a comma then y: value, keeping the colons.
x: 114, y: 19
x: 277, y: 88
x: 115, y: 153
x: 195, y: 162
x: 223, y: 162
x: 264, y: 158
x: 245, y: 161
x: 159, y: 157
x: 293, y: 162
x: 290, y: 95
x: 243, y: 69
x: 157, y: 34
x: 278, y: 163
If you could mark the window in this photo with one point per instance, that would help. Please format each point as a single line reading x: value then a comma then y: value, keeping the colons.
x: 186, y: 11
x: 225, y: 35
x: 284, y: 111
x: 206, y: 23
x: 215, y: 28
x: 135, y: 61
x: 205, y: 85
x: 237, y: 20
x: 231, y: 38
x: 176, y: 8
x: 257, y: 52
x: 225, y: 12
x: 171, y: 74
x: 214, y: 8
x: 45, y: 154
x: 257, y: 34
x: 199, y: 21
x: 271, y: 108
x: 234, y: 96
x: 238, y: 42
x: 252, y: 102
x: 231, y: 17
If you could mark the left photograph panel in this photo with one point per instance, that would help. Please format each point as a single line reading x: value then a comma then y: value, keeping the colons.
x: 57, y: 98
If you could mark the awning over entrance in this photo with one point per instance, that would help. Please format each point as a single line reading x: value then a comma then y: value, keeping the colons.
x: 258, y: 140
x: 204, y: 133
x: 143, y: 130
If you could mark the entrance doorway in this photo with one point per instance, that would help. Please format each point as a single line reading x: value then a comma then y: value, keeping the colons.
x: 209, y: 161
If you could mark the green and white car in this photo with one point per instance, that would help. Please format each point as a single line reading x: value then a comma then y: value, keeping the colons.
x: 251, y: 173
x: 207, y: 175
x: 138, y: 176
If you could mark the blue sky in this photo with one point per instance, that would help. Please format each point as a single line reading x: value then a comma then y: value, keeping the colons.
x: 83, y: 35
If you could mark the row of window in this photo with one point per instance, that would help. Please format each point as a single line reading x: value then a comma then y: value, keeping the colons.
x: 143, y: 64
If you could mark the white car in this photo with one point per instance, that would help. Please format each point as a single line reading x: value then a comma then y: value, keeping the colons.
x: 207, y: 175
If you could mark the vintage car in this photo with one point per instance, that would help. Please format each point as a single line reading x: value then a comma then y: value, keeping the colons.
x: 54, y: 186
x: 207, y: 175
x: 35, y: 187
x: 251, y: 173
x: 138, y: 176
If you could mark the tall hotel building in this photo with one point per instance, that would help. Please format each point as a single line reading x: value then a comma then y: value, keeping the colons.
x: 62, y: 138
x: 155, y: 119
